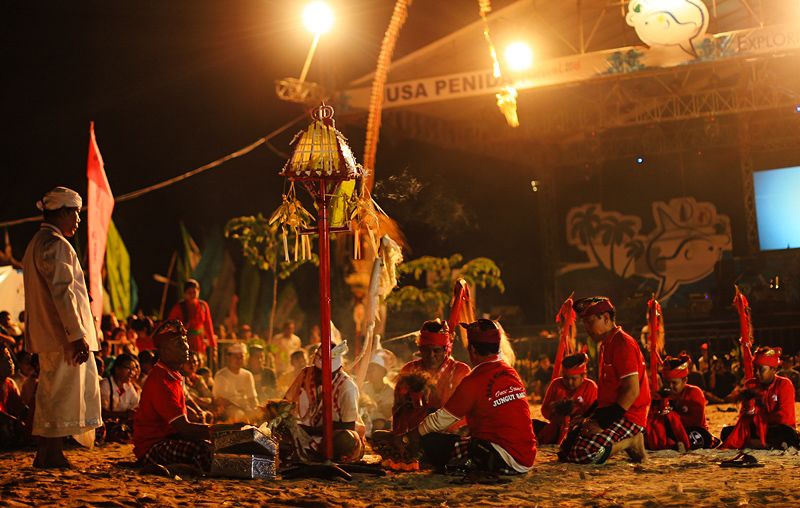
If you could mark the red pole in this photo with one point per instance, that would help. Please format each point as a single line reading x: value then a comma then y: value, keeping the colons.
x: 325, y: 321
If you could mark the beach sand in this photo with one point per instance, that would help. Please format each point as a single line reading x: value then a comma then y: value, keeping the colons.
x: 666, y: 479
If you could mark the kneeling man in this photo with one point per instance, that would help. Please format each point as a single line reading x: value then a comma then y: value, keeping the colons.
x: 623, y: 392
x: 568, y: 396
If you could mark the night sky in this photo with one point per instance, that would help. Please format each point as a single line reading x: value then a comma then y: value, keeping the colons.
x: 172, y: 85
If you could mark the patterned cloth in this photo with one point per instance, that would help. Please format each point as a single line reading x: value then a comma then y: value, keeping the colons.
x: 596, y: 449
x: 178, y: 451
x: 461, y: 453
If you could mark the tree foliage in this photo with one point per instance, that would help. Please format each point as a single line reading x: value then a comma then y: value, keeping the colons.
x: 262, y: 245
x: 437, y: 276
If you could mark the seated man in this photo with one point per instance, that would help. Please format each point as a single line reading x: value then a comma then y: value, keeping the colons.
x: 162, y: 435
x: 493, y: 401
x: 767, y: 417
x: 306, y: 394
x: 439, y: 369
x: 678, y: 417
x: 623, y: 393
x: 235, y: 388
x: 568, y: 396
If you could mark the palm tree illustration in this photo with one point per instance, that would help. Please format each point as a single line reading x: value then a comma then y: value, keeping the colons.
x: 613, y: 232
x: 634, y: 249
x: 584, y: 227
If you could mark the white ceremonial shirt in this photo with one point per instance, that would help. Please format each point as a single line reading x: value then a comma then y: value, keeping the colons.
x: 240, y: 389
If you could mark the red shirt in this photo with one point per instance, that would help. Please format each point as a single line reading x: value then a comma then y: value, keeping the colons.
x: 620, y: 357
x: 690, y: 405
x: 447, y: 378
x: 778, y: 399
x: 162, y: 401
x: 493, y: 400
x: 197, y: 323
x: 584, y: 396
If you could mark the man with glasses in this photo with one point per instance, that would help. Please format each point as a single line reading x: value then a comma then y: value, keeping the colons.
x: 623, y: 394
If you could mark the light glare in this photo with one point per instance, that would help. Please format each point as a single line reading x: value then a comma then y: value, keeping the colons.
x: 318, y: 17
x: 519, y: 56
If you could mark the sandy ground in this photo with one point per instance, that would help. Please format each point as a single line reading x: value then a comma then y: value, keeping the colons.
x: 666, y: 479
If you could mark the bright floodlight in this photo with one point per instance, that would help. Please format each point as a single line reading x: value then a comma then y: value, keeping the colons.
x: 519, y: 56
x: 318, y: 17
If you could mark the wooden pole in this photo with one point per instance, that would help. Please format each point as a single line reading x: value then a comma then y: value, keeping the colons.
x: 325, y: 321
x: 166, y: 285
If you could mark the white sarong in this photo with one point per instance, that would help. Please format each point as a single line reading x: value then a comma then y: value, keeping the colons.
x: 67, y: 398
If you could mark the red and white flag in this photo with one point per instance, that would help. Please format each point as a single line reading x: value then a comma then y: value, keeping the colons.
x: 99, y: 207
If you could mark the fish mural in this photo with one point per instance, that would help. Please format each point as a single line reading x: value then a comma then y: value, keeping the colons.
x: 669, y: 22
x: 687, y: 242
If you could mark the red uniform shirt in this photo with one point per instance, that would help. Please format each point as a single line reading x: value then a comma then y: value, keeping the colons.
x: 493, y: 400
x: 584, y: 396
x: 620, y: 357
x: 690, y: 405
x: 778, y: 399
x: 162, y: 401
x: 197, y: 323
x: 447, y: 378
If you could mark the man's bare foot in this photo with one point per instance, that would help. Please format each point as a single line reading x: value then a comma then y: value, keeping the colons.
x: 636, y: 449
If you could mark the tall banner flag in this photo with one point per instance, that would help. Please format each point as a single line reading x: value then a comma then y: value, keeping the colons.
x: 118, y: 273
x: 99, y: 207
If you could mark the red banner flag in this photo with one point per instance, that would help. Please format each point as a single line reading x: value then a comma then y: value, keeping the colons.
x: 655, y: 324
x: 566, y: 318
x: 100, y: 204
x: 745, y: 332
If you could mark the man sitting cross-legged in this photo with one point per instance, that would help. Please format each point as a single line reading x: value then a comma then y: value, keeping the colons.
x: 568, y: 396
x: 162, y: 435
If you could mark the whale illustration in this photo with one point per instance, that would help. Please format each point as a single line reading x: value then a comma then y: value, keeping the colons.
x: 669, y: 22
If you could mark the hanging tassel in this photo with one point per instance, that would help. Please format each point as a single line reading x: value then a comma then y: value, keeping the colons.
x: 285, y: 239
x: 373, y: 241
x: 296, y: 246
x: 356, y: 244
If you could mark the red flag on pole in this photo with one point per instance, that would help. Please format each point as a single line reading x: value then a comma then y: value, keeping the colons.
x: 100, y: 204
x: 745, y: 332
x: 566, y: 318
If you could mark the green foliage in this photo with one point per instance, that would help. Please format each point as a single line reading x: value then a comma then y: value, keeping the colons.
x: 439, y: 276
x: 262, y: 245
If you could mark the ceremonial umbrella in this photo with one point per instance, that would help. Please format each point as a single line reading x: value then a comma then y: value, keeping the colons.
x: 321, y: 160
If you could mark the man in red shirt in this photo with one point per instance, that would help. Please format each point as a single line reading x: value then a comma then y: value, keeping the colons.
x: 623, y: 392
x: 678, y: 416
x: 195, y: 313
x: 568, y: 396
x: 162, y: 435
x: 767, y: 419
x: 436, y: 364
x: 492, y: 398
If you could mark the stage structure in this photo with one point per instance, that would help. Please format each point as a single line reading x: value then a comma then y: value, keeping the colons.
x: 603, y: 85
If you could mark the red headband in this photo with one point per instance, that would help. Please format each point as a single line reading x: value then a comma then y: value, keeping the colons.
x: 678, y: 372
x: 574, y: 371
x: 428, y: 338
x: 597, y: 308
x: 768, y: 356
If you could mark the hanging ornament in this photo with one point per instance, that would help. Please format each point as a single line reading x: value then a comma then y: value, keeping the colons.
x: 507, y: 96
x: 292, y: 217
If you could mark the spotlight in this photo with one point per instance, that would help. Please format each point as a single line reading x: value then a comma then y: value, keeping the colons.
x: 519, y: 56
x: 535, y: 185
x: 318, y: 17
x: 639, y: 160
x: 797, y: 109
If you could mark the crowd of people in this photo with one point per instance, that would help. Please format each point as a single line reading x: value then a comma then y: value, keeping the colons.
x: 157, y: 385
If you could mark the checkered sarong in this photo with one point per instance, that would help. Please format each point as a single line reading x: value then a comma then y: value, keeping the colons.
x: 461, y: 454
x: 596, y: 449
x: 178, y: 451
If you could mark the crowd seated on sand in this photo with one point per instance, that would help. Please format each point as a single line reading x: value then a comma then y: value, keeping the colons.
x: 423, y: 408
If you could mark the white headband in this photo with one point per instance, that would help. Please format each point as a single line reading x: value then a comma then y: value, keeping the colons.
x: 60, y: 197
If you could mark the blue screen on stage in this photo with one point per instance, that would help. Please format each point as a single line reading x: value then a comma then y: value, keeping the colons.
x: 778, y: 208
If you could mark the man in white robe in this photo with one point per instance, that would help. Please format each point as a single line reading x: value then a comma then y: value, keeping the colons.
x: 61, y: 330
